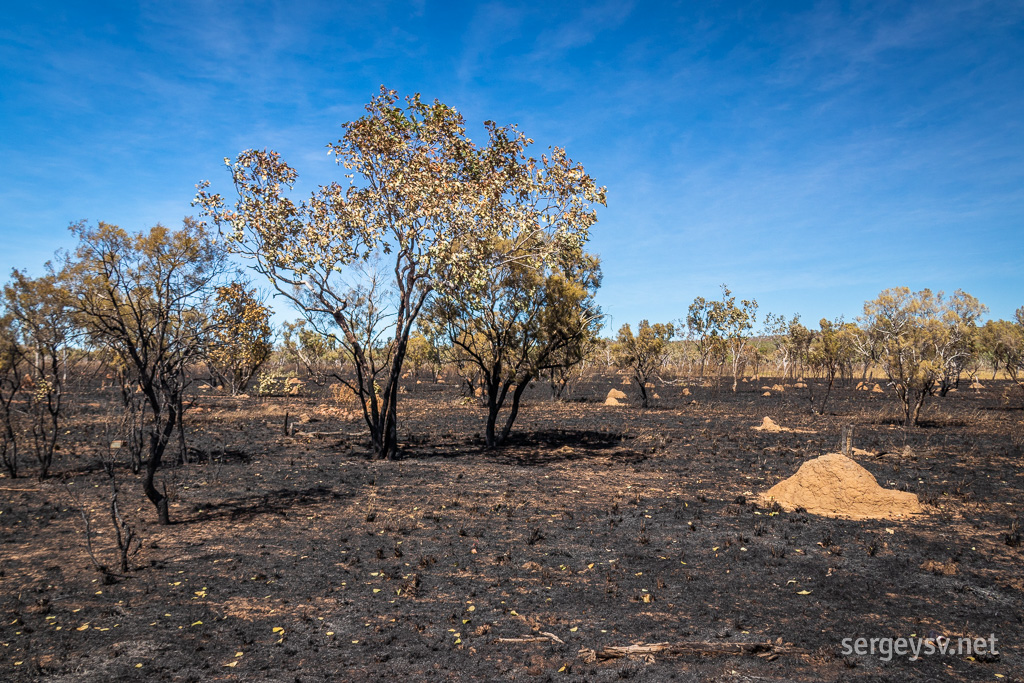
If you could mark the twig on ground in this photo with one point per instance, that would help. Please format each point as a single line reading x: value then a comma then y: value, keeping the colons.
x: 768, y: 651
x: 541, y: 637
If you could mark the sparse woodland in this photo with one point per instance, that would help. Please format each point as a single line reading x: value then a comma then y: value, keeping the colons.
x: 421, y: 461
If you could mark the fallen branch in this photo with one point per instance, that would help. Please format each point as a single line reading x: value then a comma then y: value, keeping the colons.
x: 542, y: 637
x: 768, y: 650
x: 320, y: 435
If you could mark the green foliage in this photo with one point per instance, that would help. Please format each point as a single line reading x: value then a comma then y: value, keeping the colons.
x: 920, y: 340
x: 40, y: 331
x: 321, y: 355
x: 241, y: 340
x: 702, y: 326
x: 958, y: 337
x: 644, y: 353
x: 720, y: 329
x: 423, y: 353
x: 267, y: 384
x: 526, y: 320
x: 1002, y: 341
x: 826, y: 351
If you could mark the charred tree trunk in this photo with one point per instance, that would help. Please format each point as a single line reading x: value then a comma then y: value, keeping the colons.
x: 513, y: 411
x: 158, y: 440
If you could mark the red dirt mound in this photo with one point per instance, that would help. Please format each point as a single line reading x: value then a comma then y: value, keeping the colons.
x: 768, y: 425
x: 836, y: 486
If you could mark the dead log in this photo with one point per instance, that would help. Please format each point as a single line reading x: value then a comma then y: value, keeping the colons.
x: 541, y: 637
x: 768, y: 650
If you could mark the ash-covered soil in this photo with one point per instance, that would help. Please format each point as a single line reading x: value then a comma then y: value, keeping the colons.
x: 295, y: 558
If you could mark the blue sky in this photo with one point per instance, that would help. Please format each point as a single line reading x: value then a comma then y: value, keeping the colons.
x: 807, y: 154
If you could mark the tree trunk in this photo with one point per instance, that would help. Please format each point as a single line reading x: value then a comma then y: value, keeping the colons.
x: 643, y: 391
x: 828, y: 391
x: 9, y: 450
x: 158, y: 440
x: 514, y: 411
x: 490, y: 442
x: 384, y: 436
x: 918, y: 403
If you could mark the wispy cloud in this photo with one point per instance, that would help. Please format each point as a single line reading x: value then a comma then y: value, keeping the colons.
x: 813, y: 154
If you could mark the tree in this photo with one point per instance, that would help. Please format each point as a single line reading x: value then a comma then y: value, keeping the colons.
x: 420, y: 211
x: 521, y: 323
x: 735, y: 323
x: 1004, y: 340
x: 958, y: 336
x: 827, y: 352
x: 773, y: 342
x: 145, y: 296
x: 797, y: 343
x: 11, y: 379
x: 242, y: 339
x: 702, y: 324
x: 39, y: 315
x: 918, y: 338
x: 720, y: 330
x: 422, y: 353
x: 644, y: 353
x: 994, y: 340
x: 570, y: 363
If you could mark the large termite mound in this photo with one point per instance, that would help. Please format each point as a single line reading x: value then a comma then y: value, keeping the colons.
x: 836, y: 486
x: 613, y: 397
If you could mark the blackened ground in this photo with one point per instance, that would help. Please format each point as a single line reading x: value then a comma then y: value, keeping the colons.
x: 296, y: 558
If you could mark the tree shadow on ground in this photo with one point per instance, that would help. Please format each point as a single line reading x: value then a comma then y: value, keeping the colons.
x: 277, y: 502
x: 542, y: 447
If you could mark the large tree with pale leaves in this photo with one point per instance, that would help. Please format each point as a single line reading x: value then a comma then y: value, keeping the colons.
x: 419, y: 210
